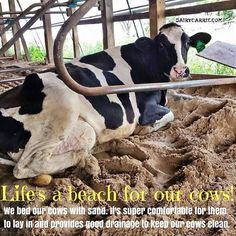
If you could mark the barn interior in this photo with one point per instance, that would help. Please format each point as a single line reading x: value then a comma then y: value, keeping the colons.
x: 195, y: 152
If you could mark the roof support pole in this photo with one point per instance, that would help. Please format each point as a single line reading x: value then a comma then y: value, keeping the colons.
x: 107, y: 23
x: 12, y: 7
x: 3, y: 36
x: 75, y: 37
x: 48, y: 36
x: 156, y: 16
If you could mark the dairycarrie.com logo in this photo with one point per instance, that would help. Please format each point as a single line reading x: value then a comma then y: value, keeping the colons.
x: 199, y: 20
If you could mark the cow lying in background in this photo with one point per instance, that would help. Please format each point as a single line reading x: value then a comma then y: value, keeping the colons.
x: 45, y: 127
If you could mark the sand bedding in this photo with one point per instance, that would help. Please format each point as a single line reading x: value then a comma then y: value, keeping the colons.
x: 195, y: 152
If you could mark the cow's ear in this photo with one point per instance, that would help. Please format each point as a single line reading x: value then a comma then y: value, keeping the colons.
x: 144, y: 44
x: 199, y: 40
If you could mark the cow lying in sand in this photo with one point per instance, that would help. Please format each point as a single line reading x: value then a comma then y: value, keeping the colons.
x: 45, y: 127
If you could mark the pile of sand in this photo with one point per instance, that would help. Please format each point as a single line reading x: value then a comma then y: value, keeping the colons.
x: 195, y: 152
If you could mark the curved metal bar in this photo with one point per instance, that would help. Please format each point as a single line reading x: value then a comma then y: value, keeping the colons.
x: 95, y: 91
x: 58, y: 49
x: 20, y: 32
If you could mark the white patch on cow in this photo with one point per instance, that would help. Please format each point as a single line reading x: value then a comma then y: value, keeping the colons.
x: 122, y: 68
x: 72, y: 150
x: 174, y: 34
x: 3, y: 112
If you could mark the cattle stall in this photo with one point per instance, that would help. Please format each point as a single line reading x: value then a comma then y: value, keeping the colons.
x: 125, y: 139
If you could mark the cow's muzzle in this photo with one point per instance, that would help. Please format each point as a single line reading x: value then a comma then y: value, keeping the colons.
x: 179, y: 72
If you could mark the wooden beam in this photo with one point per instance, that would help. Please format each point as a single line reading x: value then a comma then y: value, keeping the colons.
x: 23, y: 42
x: 107, y: 23
x: 12, y: 7
x: 209, y: 76
x: 75, y: 37
x: 209, y: 7
x: 6, y: 58
x: 156, y: 16
x: 117, y: 18
x: 3, y: 37
x: 48, y: 36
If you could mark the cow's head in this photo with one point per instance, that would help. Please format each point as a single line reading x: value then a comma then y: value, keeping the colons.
x: 174, y: 44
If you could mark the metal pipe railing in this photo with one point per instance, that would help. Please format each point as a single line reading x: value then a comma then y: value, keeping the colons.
x: 149, y: 87
x: 27, y: 11
x: 24, y: 69
x: 23, y: 14
x: 20, y: 32
x: 63, y: 4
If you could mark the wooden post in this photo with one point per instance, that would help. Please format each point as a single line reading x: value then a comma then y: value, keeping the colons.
x: 23, y: 42
x: 48, y: 36
x: 3, y: 37
x: 156, y: 15
x: 75, y: 37
x: 12, y: 7
x: 107, y: 23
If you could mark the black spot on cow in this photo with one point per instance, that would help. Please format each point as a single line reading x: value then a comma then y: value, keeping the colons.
x: 149, y: 59
x: 167, y: 56
x: 111, y: 111
x: 124, y: 98
x: 169, y: 25
x: 13, y: 136
x: 185, y: 44
x: 29, y: 96
x: 100, y: 60
x: 32, y: 95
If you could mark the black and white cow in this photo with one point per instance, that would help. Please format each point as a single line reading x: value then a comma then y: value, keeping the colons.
x: 45, y: 127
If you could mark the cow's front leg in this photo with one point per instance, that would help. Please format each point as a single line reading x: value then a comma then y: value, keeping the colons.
x: 153, y: 118
x: 85, y: 162
x: 91, y: 166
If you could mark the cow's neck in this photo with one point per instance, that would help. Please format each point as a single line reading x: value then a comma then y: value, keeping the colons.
x: 146, y: 67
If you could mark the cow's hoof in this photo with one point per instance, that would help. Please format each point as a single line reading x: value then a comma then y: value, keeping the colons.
x: 41, y: 180
x: 91, y: 166
x: 142, y: 130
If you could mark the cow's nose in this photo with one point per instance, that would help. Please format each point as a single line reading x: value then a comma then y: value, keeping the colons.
x: 182, y: 70
x: 187, y: 72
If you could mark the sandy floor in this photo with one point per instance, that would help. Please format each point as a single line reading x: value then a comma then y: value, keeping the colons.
x: 195, y: 152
